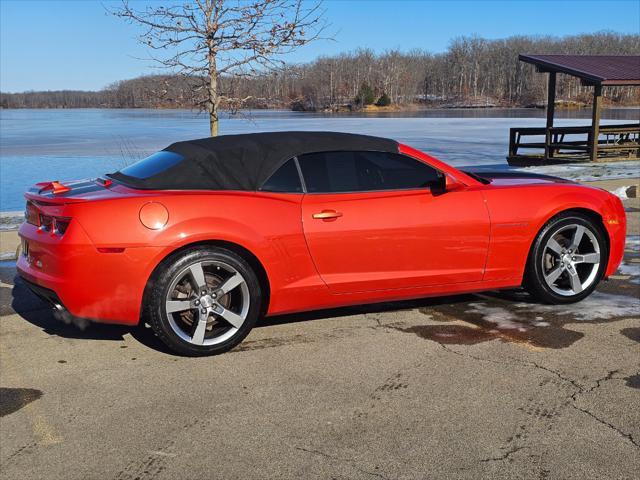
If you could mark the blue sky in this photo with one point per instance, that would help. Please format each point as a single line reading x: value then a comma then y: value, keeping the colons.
x: 49, y: 45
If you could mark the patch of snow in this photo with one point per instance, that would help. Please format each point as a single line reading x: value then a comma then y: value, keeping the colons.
x: 621, y: 192
x: 590, y: 172
x: 7, y: 256
x: 11, y: 220
x: 632, y: 269
x: 633, y: 243
x: 597, y: 306
x: 503, y: 318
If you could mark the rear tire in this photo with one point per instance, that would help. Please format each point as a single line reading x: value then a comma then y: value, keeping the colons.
x: 203, y: 301
x: 567, y: 260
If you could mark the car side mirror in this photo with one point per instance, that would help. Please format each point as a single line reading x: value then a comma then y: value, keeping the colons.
x: 447, y: 183
x: 452, y: 183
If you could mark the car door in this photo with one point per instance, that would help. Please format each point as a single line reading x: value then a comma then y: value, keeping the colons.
x: 372, y: 222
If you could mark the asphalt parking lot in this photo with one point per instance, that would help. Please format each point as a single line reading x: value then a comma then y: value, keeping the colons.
x: 475, y: 386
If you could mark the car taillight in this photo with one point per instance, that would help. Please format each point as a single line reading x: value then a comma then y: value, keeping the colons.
x: 46, y: 222
x: 31, y: 214
x: 55, y: 225
x: 60, y: 225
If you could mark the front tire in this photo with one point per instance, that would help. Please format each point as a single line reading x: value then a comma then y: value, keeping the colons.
x: 567, y: 259
x: 203, y: 301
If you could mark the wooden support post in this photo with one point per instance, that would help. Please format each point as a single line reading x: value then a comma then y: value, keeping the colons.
x: 513, y: 149
x: 551, y: 98
x: 595, y: 123
x: 551, y: 104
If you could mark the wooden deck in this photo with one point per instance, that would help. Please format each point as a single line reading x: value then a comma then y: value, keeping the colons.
x: 553, y: 145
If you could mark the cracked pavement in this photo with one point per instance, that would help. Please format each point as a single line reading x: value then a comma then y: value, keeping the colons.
x: 476, y: 386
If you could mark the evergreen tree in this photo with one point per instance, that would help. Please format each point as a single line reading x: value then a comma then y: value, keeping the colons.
x: 365, y: 95
x: 384, y: 101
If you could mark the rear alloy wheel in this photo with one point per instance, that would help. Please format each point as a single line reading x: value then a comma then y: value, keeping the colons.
x: 205, y: 301
x: 567, y: 261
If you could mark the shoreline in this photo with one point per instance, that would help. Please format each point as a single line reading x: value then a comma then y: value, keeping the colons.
x: 397, y: 108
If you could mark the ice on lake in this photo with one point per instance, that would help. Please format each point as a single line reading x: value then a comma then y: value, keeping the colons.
x: 39, y: 145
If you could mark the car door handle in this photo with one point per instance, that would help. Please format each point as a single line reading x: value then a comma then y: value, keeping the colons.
x: 327, y: 215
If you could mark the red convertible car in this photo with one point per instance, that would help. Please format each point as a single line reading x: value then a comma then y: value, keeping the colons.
x: 202, y: 238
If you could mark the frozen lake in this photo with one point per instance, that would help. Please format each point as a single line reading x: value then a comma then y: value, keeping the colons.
x: 39, y: 145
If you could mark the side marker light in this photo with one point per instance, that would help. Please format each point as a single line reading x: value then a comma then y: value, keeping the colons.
x: 111, y: 250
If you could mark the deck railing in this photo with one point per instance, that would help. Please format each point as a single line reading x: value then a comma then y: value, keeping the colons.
x: 572, y: 144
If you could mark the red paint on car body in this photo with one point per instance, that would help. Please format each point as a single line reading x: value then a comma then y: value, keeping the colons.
x: 385, y: 246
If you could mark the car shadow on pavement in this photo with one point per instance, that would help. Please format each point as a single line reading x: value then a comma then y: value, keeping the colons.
x: 364, y: 309
x: 39, y: 313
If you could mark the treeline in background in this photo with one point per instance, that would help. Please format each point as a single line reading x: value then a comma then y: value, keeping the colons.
x: 473, y: 72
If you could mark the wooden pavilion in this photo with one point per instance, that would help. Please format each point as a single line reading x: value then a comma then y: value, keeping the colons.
x: 574, y: 144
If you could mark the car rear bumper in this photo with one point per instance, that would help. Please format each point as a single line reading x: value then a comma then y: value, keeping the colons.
x: 59, y: 310
x: 49, y: 296
x: 72, y: 273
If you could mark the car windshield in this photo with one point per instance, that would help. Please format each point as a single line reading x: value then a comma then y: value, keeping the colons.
x: 152, y: 165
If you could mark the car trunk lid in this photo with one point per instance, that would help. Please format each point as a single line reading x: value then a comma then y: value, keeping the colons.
x: 59, y: 193
x: 50, y: 205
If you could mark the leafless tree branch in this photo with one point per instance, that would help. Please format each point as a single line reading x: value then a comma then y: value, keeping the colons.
x: 209, y: 39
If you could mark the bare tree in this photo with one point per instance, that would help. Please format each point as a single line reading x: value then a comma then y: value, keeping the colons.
x: 234, y: 39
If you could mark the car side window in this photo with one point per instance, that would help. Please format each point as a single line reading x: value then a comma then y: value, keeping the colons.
x: 363, y: 171
x: 284, y: 180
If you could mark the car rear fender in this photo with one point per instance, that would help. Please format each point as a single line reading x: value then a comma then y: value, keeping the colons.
x: 255, y: 263
x: 198, y: 230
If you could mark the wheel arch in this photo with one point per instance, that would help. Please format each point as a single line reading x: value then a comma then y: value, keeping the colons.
x: 587, y: 212
x: 245, y: 253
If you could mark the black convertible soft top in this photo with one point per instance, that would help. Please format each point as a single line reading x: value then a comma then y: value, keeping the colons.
x: 241, y: 162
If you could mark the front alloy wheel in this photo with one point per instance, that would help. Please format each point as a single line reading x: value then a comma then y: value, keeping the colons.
x: 571, y: 260
x: 567, y: 259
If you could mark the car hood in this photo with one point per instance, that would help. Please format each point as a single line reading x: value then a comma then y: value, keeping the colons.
x: 500, y: 178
